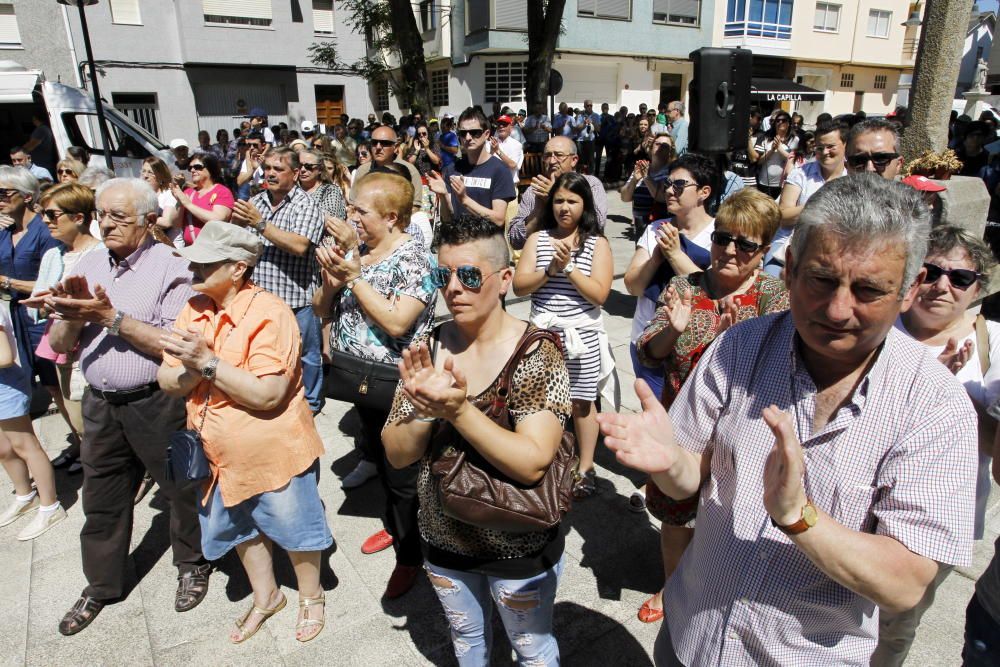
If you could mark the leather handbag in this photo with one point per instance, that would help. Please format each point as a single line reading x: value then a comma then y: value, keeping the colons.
x: 363, y: 382
x: 474, y: 491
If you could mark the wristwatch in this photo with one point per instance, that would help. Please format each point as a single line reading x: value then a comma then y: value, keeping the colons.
x: 570, y: 268
x: 352, y: 282
x: 260, y: 226
x: 6, y: 283
x: 116, y: 324
x: 208, y: 372
x: 808, y: 520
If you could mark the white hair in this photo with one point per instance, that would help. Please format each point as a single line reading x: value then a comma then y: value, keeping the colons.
x: 94, y: 176
x: 20, y: 179
x: 142, y: 196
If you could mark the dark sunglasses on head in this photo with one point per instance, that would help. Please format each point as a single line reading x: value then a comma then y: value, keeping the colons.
x: 961, y: 278
x: 197, y: 167
x: 880, y: 160
x: 723, y: 239
x: 678, y: 185
x: 471, y: 277
x: 385, y: 143
x: 475, y: 133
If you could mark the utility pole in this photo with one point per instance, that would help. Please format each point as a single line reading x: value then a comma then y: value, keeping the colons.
x: 935, y: 76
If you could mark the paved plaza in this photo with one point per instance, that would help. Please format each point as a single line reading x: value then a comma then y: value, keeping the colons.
x: 611, y: 568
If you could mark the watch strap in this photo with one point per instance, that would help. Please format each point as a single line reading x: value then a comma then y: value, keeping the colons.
x: 802, y: 525
x: 116, y: 325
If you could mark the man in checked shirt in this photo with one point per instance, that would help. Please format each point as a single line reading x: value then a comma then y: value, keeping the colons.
x: 835, y: 456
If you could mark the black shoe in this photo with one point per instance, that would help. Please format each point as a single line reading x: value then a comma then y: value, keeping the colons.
x: 192, y: 587
x: 80, y: 615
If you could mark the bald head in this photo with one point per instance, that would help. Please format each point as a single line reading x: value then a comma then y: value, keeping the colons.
x: 560, y: 156
x: 384, y: 145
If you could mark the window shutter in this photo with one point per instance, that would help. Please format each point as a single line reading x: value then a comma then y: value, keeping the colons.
x: 125, y: 11
x: 587, y: 7
x: 620, y: 9
x: 511, y: 14
x: 323, y: 16
x: 251, y: 9
x: 9, y: 34
x: 684, y: 8
x: 661, y: 7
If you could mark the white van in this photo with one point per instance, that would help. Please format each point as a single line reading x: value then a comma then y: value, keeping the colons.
x: 72, y: 117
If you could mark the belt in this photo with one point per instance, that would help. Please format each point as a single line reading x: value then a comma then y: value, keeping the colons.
x: 126, y: 396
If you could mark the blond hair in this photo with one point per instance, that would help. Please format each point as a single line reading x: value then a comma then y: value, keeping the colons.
x: 750, y: 212
x: 390, y: 194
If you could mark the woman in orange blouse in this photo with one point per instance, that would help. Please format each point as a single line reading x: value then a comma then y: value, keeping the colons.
x: 235, y: 355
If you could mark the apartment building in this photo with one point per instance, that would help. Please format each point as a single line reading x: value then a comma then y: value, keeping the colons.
x: 180, y: 66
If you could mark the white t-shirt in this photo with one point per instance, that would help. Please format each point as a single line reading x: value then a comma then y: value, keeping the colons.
x: 984, y: 391
x: 770, y: 170
x: 645, y: 308
x: 512, y: 148
x: 8, y: 330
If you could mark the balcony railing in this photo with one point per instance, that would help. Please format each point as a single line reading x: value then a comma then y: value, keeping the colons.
x: 758, y: 29
x: 910, y: 45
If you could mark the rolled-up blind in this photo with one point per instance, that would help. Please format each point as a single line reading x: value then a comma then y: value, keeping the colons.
x: 251, y: 9
x: 125, y: 11
x: 323, y: 16
x: 9, y: 34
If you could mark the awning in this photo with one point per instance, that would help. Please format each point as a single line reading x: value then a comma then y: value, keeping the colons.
x: 783, y: 90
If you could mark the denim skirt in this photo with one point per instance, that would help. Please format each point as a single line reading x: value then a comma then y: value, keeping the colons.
x: 15, y: 392
x: 292, y: 517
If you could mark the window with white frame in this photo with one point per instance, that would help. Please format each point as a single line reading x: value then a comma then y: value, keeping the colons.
x: 881, y: 80
x: 125, y: 12
x: 878, y: 23
x: 323, y: 17
x: 381, y: 94
x: 428, y: 15
x: 827, y: 17
x: 677, y: 12
x: 10, y: 36
x: 237, y: 12
x: 439, y: 88
x: 769, y: 19
x: 605, y: 9
x: 505, y: 82
x: 141, y: 108
x: 846, y: 79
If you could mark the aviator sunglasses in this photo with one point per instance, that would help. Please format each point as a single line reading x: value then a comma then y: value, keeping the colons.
x: 963, y: 279
x: 471, y: 277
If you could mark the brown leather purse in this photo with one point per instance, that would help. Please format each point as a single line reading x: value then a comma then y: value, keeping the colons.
x: 474, y: 491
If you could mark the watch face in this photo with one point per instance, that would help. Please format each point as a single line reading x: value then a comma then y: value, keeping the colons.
x: 809, y: 515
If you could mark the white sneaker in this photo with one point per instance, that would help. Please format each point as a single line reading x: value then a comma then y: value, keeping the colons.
x: 41, y: 523
x: 16, y: 510
x: 364, y: 471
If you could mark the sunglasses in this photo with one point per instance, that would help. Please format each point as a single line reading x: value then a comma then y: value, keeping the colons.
x: 385, y: 143
x: 471, y: 277
x: 678, y: 185
x: 879, y: 160
x: 421, y: 134
x: 65, y: 172
x: 475, y: 133
x: 52, y: 214
x: 723, y: 239
x: 309, y: 166
x: 196, y: 167
x: 961, y: 278
x: 7, y: 193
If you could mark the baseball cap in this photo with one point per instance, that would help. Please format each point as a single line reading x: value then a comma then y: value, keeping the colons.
x: 308, y: 127
x: 222, y: 241
x: 177, y: 143
x: 447, y: 116
x: 504, y: 119
x: 923, y: 184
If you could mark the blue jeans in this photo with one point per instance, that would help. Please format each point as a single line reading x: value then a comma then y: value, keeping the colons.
x: 525, y: 607
x: 982, y: 637
x: 312, y: 356
x: 652, y: 376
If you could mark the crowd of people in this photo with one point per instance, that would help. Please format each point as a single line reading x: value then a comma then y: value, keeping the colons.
x: 818, y: 399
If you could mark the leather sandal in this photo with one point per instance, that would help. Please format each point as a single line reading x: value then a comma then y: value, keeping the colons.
x: 584, y: 484
x: 647, y: 614
x: 192, y: 587
x: 264, y: 614
x: 306, y: 622
x: 82, y: 614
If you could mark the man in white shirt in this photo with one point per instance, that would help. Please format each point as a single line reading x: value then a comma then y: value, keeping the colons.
x: 506, y: 148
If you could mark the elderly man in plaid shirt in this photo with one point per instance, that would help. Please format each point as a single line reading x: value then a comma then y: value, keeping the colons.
x: 290, y: 225
x: 835, y: 456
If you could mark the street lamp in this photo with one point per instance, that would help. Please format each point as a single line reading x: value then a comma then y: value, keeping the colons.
x: 101, y: 123
x: 914, y: 20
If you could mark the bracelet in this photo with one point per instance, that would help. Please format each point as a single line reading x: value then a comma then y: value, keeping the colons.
x: 352, y: 282
x: 116, y: 325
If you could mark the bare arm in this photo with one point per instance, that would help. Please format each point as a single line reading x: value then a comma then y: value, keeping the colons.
x: 788, y: 204
x: 596, y: 287
x: 527, y: 279
x: 641, y: 270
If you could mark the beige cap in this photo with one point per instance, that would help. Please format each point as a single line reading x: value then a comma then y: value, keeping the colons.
x: 222, y: 241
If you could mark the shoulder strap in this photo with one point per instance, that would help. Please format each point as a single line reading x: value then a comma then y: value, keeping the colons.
x: 530, y: 337
x: 983, y: 344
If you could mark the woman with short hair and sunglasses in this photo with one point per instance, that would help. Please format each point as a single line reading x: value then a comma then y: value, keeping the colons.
x: 773, y: 149
x: 957, y: 268
x: 377, y: 290
x: 567, y: 268
x: 208, y: 199
x: 69, y: 170
x: 315, y: 180
x: 690, y: 314
x: 474, y: 569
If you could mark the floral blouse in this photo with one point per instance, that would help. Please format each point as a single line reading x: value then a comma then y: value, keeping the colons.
x: 766, y: 295
x: 405, y: 272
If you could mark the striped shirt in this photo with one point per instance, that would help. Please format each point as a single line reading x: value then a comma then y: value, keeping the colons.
x: 151, y: 285
x: 897, y: 459
x: 518, y: 234
x: 285, y: 274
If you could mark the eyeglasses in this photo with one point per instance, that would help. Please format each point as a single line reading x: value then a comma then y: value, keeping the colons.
x: 879, y: 160
x: 309, y: 166
x: 384, y: 143
x: 475, y: 133
x: 196, y: 167
x: 963, y: 279
x: 118, y: 217
x: 678, y: 185
x: 558, y: 156
x: 7, y: 193
x: 470, y: 276
x: 782, y: 120
x: 743, y: 244
x: 52, y: 214
x: 65, y: 172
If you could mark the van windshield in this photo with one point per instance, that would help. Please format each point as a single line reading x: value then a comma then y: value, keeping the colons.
x: 135, y: 127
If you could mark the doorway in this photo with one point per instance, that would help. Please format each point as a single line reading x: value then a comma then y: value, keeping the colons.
x: 329, y: 105
x: 671, y: 88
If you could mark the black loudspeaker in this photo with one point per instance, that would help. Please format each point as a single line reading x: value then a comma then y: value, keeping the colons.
x: 719, y: 100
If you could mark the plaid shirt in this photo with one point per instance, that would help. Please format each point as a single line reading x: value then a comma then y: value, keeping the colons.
x: 898, y: 459
x: 282, y: 273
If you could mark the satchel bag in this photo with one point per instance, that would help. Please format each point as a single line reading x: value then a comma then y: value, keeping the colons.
x: 363, y: 382
x: 474, y: 491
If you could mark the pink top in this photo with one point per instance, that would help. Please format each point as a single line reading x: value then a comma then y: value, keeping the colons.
x: 219, y: 195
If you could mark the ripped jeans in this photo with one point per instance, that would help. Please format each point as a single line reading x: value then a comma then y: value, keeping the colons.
x: 525, y: 607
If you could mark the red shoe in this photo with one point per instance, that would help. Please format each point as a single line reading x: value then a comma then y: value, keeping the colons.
x: 402, y: 580
x: 648, y: 614
x: 380, y: 541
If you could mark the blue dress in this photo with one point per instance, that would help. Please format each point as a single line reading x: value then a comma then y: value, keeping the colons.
x: 21, y: 262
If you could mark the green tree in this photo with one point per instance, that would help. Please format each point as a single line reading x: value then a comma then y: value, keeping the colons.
x: 396, y: 49
x: 544, y: 27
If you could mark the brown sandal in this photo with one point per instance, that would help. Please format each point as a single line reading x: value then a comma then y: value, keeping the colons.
x: 82, y: 614
x: 304, y: 605
x: 264, y: 614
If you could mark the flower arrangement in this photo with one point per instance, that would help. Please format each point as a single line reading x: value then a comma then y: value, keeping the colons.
x: 934, y: 165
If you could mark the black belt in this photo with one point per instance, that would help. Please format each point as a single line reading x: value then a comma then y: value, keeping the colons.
x: 126, y: 396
